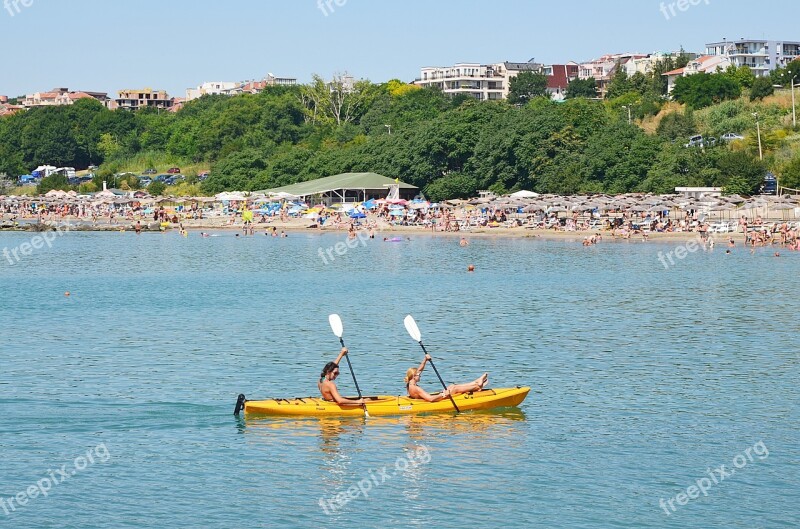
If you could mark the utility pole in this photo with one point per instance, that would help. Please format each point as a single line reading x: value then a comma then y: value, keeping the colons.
x: 758, y: 128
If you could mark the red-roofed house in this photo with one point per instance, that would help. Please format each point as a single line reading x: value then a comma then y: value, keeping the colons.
x: 558, y: 78
x: 9, y: 110
x: 60, y: 96
x: 704, y: 64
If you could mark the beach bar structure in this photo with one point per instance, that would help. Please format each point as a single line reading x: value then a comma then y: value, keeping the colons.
x: 346, y: 187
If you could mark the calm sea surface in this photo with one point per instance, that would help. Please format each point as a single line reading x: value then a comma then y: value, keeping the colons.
x: 644, y: 381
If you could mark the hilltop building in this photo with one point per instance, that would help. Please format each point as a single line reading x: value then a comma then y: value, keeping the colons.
x: 492, y: 82
x: 214, y: 88
x: 704, y: 64
x: 60, y: 96
x: 603, y: 68
x: 147, y: 97
x: 645, y: 65
x: 558, y: 78
x: 760, y: 55
x: 231, y: 88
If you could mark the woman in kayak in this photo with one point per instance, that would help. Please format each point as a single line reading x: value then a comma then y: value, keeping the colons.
x: 416, y: 392
x: 327, y: 386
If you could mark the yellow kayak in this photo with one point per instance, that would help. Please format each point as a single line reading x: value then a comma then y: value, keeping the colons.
x: 384, y: 404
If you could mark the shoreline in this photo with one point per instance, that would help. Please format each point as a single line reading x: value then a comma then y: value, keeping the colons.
x: 295, y: 226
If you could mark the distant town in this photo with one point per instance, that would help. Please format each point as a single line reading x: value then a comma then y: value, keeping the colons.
x: 484, y: 82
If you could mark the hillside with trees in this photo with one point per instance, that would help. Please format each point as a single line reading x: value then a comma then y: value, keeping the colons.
x: 449, y: 147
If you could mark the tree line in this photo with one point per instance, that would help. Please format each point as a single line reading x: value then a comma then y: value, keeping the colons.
x: 449, y: 147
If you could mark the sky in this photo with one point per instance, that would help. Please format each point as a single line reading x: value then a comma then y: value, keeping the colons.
x: 108, y: 45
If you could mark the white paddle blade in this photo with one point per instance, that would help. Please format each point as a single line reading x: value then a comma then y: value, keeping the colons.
x: 336, y: 325
x: 411, y: 327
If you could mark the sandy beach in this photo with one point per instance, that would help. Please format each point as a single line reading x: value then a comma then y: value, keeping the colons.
x: 293, y: 225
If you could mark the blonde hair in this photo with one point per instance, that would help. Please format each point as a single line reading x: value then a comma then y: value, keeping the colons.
x: 412, y: 371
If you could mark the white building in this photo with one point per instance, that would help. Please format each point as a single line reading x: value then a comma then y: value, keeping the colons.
x: 761, y: 56
x: 215, y: 88
x: 230, y: 88
x: 645, y: 65
x: 485, y: 82
x: 704, y: 64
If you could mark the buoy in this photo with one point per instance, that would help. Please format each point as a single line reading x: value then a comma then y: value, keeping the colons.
x: 471, y: 268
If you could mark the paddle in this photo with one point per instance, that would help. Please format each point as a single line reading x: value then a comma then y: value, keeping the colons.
x: 413, y: 330
x: 338, y: 330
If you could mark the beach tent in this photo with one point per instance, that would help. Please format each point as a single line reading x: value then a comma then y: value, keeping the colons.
x: 524, y: 194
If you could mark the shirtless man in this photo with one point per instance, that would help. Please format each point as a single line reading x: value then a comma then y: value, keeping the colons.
x: 327, y: 386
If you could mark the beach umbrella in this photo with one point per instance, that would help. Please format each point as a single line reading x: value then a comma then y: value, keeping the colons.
x: 357, y: 215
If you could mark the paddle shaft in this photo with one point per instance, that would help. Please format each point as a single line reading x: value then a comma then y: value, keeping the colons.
x: 438, y: 375
x: 353, y: 373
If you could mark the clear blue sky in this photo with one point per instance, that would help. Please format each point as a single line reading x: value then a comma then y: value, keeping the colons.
x: 107, y: 45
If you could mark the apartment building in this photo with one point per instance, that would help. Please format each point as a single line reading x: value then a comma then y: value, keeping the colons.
x: 485, y: 82
x: 761, y: 56
x: 147, y: 97
x: 603, y: 68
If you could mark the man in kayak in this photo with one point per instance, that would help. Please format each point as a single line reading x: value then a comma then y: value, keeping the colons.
x: 416, y: 392
x: 327, y: 386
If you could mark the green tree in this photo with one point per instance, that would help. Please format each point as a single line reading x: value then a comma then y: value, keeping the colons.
x: 701, y: 89
x: 620, y: 84
x: 582, y: 88
x: 526, y: 86
x: 451, y: 186
x: 156, y: 188
x: 742, y: 75
x: 740, y: 169
x: 54, y: 181
x: 108, y: 146
x: 658, y: 81
x: 677, y: 126
x: 761, y: 88
x: 683, y: 59
x: 790, y: 173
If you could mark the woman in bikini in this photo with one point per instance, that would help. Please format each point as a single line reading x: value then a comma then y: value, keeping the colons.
x: 416, y: 392
x: 327, y: 386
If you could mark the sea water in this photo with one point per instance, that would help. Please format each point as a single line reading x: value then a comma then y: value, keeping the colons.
x: 117, y: 400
